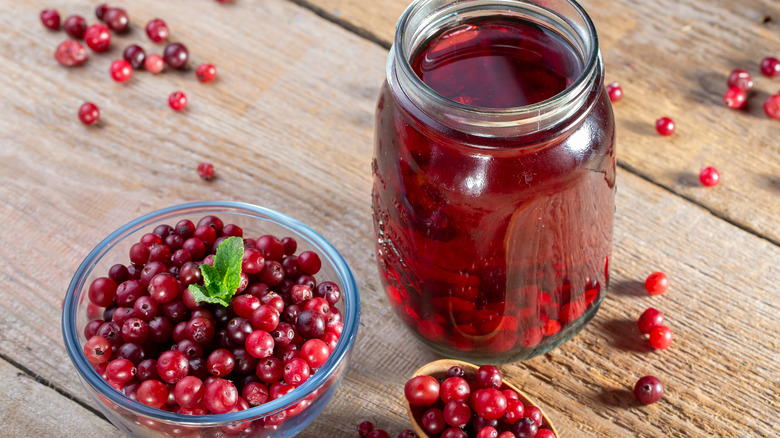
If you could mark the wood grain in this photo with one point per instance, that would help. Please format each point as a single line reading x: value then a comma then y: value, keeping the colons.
x: 32, y: 409
x: 672, y: 58
x: 289, y: 125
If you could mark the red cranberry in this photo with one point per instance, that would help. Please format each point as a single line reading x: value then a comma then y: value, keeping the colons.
x: 770, y: 66
x: 421, y: 391
x: 665, y: 126
x: 661, y: 337
x: 100, y: 11
x: 98, y: 37
x: 121, y: 70
x: 408, y: 433
x: 656, y: 283
x: 75, y: 26
x: 176, y: 55
x: 135, y: 55
x: 157, y: 30
x: 102, y: 291
x: 772, y: 107
x: 735, y: 98
x: 206, y: 72
x: 488, y: 376
x: 116, y: 19
x: 648, y: 390
x: 433, y: 421
x: 525, y: 428
x: 97, y: 350
x: 615, y: 92
x: 152, y: 393
x: 741, y: 79
x: 189, y: 392
x: 454, y: 388
x: 376, y: 433
x: 488, y: 403
x: 545, y: 433
x: 50, y: 19
x: 457, y: 413
x: 154, y: 63
x: 221, y: 396
x: 535, y: 413
x: 709, y: 176
x: 309, y: 262
x: 177, y: 101
x: 89, y: 113
x: 650, y: 319
x: 487, y: 432
x: 70, y: 53
x: 364, y: 428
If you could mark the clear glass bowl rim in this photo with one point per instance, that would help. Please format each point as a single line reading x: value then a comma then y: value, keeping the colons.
x: 337, y: 358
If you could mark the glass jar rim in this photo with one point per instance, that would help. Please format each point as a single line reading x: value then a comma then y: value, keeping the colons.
x: 541, y: 114
x: 337, y: 359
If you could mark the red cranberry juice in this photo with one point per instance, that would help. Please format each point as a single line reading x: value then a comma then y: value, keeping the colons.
x: 493, y: 249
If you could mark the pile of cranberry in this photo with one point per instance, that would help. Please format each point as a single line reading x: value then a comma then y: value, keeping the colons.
x: 98, y: 37
x: 153, y: 342
x: 481, y: 407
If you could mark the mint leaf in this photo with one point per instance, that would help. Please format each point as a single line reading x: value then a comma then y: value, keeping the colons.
x: 221, y: 281
x: 200, y: 294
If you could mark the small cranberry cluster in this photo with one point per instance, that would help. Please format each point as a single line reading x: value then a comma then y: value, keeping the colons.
x: 150, y: 339
x: 98, y: 38
x: 366, y: 429
x: 482, y: 407
x: 740, y: 82
x: 649, y: 389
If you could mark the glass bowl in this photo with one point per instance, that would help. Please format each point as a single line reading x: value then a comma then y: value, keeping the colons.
x: 300, y: 406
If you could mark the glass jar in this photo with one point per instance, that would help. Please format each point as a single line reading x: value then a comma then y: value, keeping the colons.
x: 494, y: 176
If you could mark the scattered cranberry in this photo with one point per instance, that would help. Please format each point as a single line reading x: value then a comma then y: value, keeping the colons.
x: 378, y: 433
x: 772, y: 106
x: 656, y: 283
x: 116, y: 19
x: 50, y: 19
x: 135, y: 55
x: 661, y: 337
x: 408, y: 433
x: 75, y: 26
x: 665, y: 126
x: 650, y: 319
x: 206, y: 72
x: 709, y: 176
x: 176, y: 55
x: 154, y: 63
x: 121, y: 70
x: 177, y: 100
x: 741, y: 79
x: 615, y: 92
x: 100, y: 11
x: 89, y: 113
x: 648, y: 390
x: 364, y: 428
x: 735, y: 98
x: 97, y: 37
x: 770, y: 66
x: 157, y: 30
x: 70, y: 53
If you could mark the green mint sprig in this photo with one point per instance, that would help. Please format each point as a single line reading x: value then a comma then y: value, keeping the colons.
x: 221, y: 281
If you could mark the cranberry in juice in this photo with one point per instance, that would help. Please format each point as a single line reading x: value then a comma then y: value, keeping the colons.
x: 491, y: 247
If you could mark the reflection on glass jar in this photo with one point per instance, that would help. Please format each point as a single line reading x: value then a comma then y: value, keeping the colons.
x: 494, y: 176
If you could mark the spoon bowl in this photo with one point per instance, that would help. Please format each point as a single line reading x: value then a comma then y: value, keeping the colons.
x: 438, y: 370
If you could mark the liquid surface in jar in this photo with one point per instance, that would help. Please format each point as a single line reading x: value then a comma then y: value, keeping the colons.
x: 497, y: 63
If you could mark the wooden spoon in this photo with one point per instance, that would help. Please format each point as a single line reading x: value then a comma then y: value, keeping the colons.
x: 438, y: 370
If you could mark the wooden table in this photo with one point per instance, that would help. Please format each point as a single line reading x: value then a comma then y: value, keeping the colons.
x: 289, y: 125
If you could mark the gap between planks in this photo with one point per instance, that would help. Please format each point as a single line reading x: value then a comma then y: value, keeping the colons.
x: 46, y: 382
x: 372, y: 37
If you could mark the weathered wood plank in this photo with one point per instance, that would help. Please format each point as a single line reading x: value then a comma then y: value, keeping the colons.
x: 672, y: 59
x: 289, y: 125
x: 31, y: 409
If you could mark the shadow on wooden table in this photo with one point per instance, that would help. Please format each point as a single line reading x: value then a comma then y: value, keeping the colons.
x: 618, y: 397
x: 624, y: 335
